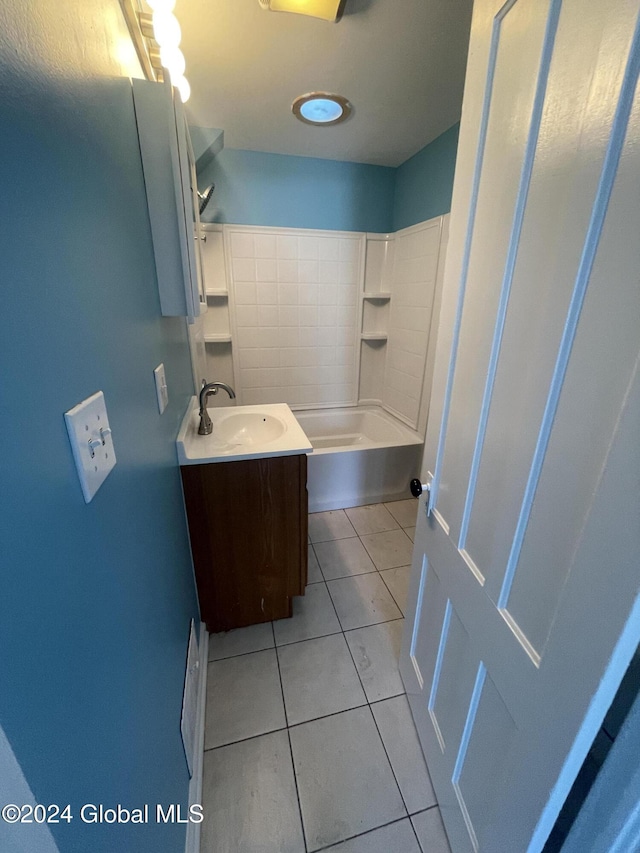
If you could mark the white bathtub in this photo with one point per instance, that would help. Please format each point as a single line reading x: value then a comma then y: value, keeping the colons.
x: 360, y: 455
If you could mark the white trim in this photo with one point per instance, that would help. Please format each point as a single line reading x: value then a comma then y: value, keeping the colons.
x: 14, y: 788
x: 293, y: 232
x: 192, y: 841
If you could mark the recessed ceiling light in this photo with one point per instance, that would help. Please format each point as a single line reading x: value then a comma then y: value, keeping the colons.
x: 321, y: 108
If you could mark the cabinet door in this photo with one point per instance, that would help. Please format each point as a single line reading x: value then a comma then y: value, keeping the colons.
x: 173, y: 213
x: 248, y: 528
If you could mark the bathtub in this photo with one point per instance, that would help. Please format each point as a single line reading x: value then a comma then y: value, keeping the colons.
x: 360, y: 455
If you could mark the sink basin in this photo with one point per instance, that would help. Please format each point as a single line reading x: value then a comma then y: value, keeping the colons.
x: 250, y: 428
x: 240, y: 432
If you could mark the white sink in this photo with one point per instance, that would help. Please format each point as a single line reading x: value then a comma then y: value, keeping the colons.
x: 250, y: 429
x: 240, y: 432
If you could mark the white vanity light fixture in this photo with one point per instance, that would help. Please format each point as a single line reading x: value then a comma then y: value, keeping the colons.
x: 167, y: 33
x: 321, y: 108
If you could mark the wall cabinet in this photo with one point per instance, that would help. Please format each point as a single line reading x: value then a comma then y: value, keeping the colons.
x: 168, y: 165
x: 248, y: 528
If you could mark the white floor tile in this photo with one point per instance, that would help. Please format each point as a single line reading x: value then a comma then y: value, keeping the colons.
x: 404, y: 512
x: 397, y: 837
x: 345, y: 783
x: 371, y: 519
x: 400, y: 739
x: 318, y: 678
x: 411, y: 533
x: 333, y: 524
x: 249, y: 798
x: 314, y: 575
x: 430, y: 831
x: 376, y: 651
x: 313, y: 616
x: 343, y: 557
x: 389, y: 550
x: 241, y: 641
x: 362, y: 600
x: 244, y: 698
x: 397, y: 580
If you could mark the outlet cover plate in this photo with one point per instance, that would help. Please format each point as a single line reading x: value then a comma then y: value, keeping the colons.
x: 162, y: 392
x: 91, y: 442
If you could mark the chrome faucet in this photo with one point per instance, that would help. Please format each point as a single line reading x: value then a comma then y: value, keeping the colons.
x: 206, y: 427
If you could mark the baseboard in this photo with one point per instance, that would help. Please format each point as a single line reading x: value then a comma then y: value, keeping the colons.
x: 343, y: 502
x: 192, y: 843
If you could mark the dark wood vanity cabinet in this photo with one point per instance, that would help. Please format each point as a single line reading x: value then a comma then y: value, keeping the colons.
x: 248, y: 527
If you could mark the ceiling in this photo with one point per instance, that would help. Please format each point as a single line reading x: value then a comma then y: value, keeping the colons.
x: 399, y: 62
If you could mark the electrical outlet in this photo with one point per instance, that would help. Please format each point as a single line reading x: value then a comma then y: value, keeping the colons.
x: 91, y: 442
x: 162, y: 391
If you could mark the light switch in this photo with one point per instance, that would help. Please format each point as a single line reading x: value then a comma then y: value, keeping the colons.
x: 161, y: 388
x: 91, y: 442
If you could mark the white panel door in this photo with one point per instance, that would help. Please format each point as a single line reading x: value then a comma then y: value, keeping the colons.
x: 526, y: 574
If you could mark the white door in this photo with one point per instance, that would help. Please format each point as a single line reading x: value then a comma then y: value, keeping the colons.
x: 526, y: 574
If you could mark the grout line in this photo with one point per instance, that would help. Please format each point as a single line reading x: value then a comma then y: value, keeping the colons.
x: 397, y: 604
x: 375, y: 722
x: 293, y: 766
x: 295, y: 782
x: 368, y: 832
x: 244, y: 739
x: 332, y: 714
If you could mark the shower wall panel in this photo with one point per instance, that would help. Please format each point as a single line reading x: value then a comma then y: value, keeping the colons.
x: 417, y: 254
x: 294, y: 295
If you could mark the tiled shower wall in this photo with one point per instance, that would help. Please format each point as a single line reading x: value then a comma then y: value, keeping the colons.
x: 415, y: 270
x: 294, y: 298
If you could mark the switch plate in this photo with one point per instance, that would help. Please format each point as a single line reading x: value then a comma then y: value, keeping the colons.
x: 161, y: 388
x: 91, y: 442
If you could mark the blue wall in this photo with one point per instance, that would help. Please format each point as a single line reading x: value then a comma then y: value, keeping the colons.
x: 255, y: 188
x: 424, y: 183
x: 96, y: 599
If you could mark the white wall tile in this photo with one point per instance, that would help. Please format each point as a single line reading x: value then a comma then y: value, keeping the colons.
x: 287, y: 270
x: 267, y: 293
x: 266, y: 269
x: 245, y: 293
x: 246, y: 315
x: 308, y: 271
x: 308, y: 294
x: 348, y: 272
x: 265, y: 245
x: 267, y: 315
x: 328, y: 272
x: 295, y: 300
x: 288, y: 315
x: 242, y: 245
x: 327, y: 294
x: 244, y: 269
x: 259, y: 357
x: 308, y: 315
x: 349, y: 249
x: 288, y: 337
x: 287, y: 246
x: 288, y: 294
x: 328, y: 249
x: 307, y: 248
x: 327, y: 315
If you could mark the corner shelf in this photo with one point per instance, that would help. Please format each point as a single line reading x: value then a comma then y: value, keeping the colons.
x: 383, y: 296
x: 217, y: 339
x: 373, y: 336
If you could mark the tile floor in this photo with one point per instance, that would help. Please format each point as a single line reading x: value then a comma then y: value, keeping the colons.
x: 309, y: 741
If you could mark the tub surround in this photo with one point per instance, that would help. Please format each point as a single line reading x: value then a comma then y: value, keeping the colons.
x: 361, y: 455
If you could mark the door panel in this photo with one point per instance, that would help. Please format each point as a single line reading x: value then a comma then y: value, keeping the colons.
x: 524, y: 585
